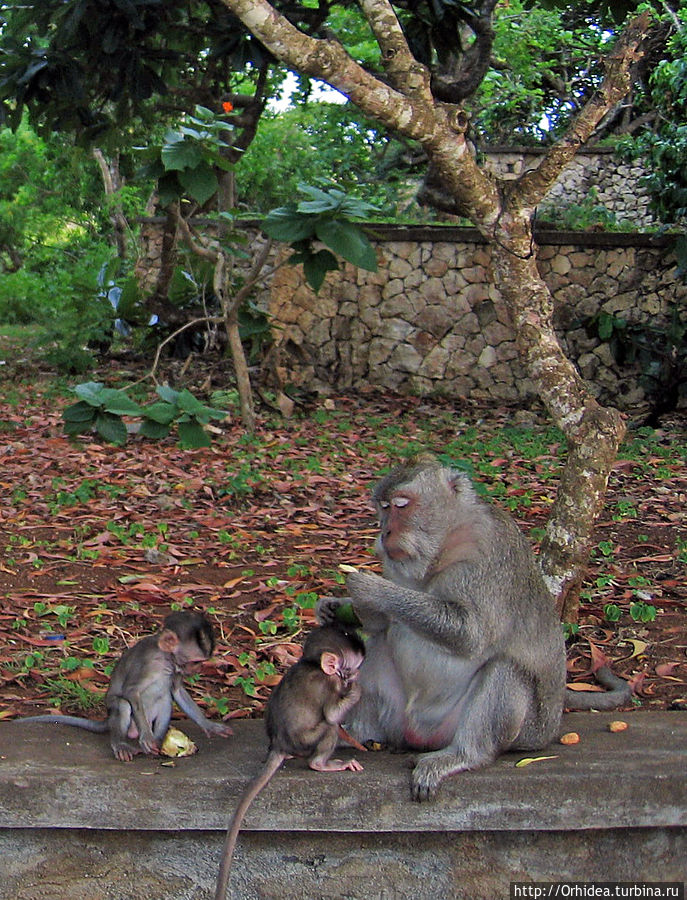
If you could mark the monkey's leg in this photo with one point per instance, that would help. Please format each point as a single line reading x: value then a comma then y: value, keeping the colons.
x: 321, y: 760
x: 493, y: 711
x: 120, y: 722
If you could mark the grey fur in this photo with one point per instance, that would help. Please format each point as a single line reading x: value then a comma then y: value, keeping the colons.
x: 465, y: 656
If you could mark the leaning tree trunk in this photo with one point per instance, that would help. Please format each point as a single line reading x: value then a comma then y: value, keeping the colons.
x: 503, y: 212
x: 593, y: 433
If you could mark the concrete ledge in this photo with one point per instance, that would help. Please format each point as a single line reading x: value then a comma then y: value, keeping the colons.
x: 144, y: 829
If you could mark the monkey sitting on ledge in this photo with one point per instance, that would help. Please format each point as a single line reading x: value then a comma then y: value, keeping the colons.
x: 465, y: 656
x: 145, y: 682
x: 302, y: 719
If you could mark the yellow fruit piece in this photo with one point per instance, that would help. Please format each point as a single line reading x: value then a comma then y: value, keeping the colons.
x: 176, y: 743
x: 572, y: 737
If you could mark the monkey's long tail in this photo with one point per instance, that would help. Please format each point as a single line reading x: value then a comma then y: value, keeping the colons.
x: 96, y: 725
x: 619, y: 693
x: 272, y: 764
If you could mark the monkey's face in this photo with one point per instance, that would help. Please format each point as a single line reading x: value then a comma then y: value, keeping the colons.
x: 348, y: 668
x: 342, y: 665
x: 396, y: 512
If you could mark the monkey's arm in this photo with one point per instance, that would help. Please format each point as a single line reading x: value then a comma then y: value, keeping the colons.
x: 335, y: 709
x: 446, y: 621
x: 187, y: 704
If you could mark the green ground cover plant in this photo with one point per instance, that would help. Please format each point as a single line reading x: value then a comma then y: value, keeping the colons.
x: 99, y: 541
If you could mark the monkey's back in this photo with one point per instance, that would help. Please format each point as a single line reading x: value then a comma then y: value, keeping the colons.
x: 294, y: 718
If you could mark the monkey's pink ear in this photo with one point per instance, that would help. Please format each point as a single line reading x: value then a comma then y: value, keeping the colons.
x: 168, y: 641
x: 329, y: 662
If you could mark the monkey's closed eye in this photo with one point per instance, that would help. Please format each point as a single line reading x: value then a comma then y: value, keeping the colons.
x: 400, y: 501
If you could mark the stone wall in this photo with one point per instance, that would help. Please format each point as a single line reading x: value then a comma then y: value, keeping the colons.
x: 430, y: 322
x: 618, y: 185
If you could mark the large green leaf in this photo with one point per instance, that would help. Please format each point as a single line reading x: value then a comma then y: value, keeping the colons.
x: 169, y: 188
x: 349, y: 241
x: 154, y: 430
x: 190, y: 404
x: 192, y: 436
x: 79, y: 413
x: 199, y: 182
x: 162, y: 413
x: 90, y: 392
x: 180, y: 154
x: 316, y: 266
x: 118, y: 403
x: 167, y: 393
x: 285, y: 224
x: 111, y: 428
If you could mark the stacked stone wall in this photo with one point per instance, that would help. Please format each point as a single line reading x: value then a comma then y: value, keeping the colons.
x: 596, y: 172
x: 429, y: 321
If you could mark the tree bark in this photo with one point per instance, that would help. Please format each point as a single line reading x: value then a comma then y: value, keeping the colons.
x: 503, y: 212
x: 112, y: 182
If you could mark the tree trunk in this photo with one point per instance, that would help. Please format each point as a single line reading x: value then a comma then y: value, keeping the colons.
x: 592, y: 433
x: 230, y: 308
x: 112, y: 183
x: 503, y: 212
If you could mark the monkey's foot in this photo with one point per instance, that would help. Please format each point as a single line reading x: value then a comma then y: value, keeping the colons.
x: 124, y: 752
x: 430, y: 770
x: 336, y: 765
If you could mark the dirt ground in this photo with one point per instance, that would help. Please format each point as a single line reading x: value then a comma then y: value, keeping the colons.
x: 99, y: 543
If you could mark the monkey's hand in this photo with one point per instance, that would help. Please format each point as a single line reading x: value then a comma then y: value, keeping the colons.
x: 219, y: 729
x: 369, y: 594
x: 325, y: 611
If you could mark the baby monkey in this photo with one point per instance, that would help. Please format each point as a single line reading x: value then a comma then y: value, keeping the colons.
x: 302, y: 718
x: 144, y: 684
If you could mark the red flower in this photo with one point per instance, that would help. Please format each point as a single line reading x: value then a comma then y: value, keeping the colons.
x: 227, y: 106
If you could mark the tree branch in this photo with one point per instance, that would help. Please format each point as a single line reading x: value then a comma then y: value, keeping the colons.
x: 328, y: 61
x: 533, y: 185
x: 407, y: 75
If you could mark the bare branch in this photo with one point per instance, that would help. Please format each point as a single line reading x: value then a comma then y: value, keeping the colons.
x: 328, y: 61
x: 533, y: 185
x: 407, y: 75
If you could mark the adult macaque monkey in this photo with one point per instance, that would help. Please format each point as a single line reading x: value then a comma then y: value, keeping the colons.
x: 465, y: 656
x: 302, y: 719
x: 145, y: 681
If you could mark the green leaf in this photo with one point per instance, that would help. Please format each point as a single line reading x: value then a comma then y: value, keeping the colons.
x: 119, y: 403
x: 192, y: 436
x: 80, y: 412
x: 168, y: 188
x: 315, y: 207
x: 349, y: 241
x: 160, y: 412
x: 111, y: 428
x: 181, y: 154
x: 200, y: 182
x: 129, y: 306
x: 72, y: 428
x: 190, y: 404
x: 316, y: 266
x: 285, y: 224
x: 90, y: 392
x: 167, y: 393
x: 154, y: 430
